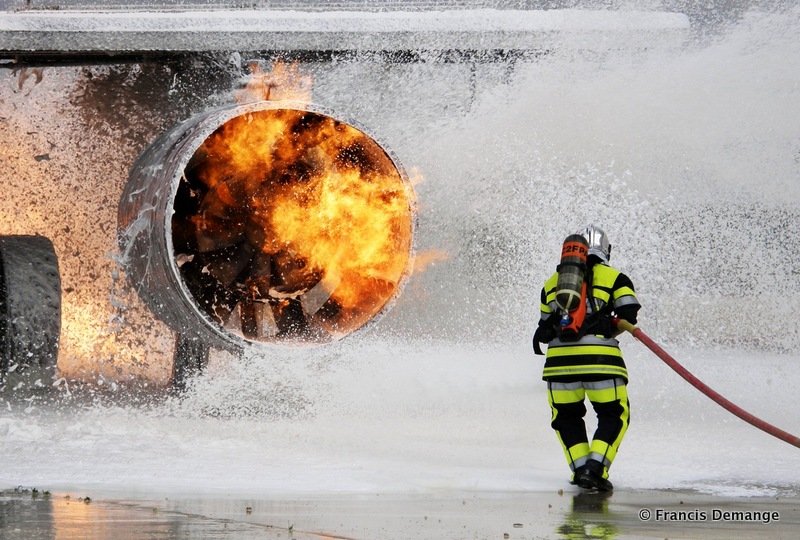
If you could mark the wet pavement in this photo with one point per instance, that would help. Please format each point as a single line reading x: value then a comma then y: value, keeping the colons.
x: 28, y: 514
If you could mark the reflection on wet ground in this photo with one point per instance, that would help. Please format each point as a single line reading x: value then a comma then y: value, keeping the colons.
x: 625, y: 514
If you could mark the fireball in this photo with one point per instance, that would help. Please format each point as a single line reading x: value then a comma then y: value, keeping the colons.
x: 289, y: 224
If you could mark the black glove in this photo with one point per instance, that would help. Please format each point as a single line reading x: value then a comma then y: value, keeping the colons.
x: 628, y: 313
x: 604, y: 325
x: 543, y: 334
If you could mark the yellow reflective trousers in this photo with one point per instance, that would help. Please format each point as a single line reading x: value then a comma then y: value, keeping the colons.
x: 609, y: 398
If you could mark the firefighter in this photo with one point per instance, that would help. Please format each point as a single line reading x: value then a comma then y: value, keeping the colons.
x: 584, y: 360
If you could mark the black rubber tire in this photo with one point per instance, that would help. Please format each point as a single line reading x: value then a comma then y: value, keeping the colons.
x: 30, y: 312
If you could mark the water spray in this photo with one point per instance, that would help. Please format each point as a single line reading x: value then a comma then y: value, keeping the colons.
x: 705, y: 389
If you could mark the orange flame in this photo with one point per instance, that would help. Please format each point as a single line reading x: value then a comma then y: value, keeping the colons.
x: 283, y: 83
x: 317, y: 208
x: 427, y: 259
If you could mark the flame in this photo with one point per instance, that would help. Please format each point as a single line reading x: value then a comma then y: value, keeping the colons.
x: 299, y: 212
x: 284, y: 82
x: 427, y: 259
x: 357, y: 232
x: 415, y: 177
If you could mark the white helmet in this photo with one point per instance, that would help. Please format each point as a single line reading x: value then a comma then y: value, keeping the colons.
x: 598, y: 242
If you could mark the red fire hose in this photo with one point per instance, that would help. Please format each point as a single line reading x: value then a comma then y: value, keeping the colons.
x: 697, y: 383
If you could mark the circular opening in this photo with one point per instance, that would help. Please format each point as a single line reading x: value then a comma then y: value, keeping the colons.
x: 291, y: 225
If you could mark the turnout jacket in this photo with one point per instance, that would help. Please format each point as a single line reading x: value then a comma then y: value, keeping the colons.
x: 593, y: 354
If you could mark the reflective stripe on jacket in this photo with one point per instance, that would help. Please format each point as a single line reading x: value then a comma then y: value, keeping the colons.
x: 594, y: 355
x: 590, y: 355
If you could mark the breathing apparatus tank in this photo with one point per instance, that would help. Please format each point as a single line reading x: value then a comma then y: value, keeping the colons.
x: 571, y: 285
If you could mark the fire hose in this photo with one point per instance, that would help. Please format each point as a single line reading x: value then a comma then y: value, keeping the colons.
x: 705, y: 389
